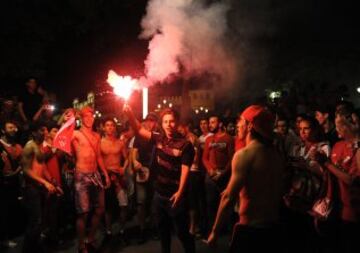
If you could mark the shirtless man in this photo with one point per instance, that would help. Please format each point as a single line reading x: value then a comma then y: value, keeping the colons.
x: 256, y: 179
x: 89, y: 189
x: 33, y: 163
x: 113, y: 151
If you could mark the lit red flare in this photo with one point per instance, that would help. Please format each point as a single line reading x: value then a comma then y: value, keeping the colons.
x: 123, y: 85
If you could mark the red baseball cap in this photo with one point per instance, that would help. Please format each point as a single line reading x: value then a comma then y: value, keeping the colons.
x: 261, y: 118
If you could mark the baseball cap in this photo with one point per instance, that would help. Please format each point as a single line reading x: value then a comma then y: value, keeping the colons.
x: 261, y: 118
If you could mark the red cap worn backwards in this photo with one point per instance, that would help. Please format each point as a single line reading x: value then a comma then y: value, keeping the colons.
x: 261, y: 118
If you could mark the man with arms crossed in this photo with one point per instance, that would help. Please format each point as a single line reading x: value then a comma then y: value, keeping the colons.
x: 256, y: 178
x: 89, y: 190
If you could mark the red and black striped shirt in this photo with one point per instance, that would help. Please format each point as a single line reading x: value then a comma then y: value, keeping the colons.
x: 170, y: 155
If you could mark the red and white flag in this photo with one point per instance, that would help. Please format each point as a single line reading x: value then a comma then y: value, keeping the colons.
x: 63, y: 137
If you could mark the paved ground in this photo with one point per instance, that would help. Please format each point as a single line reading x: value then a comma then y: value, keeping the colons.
x: 116, y: 245
x: 151, y: 246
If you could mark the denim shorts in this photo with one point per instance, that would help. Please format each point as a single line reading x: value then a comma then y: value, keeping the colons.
x: 89, y: 192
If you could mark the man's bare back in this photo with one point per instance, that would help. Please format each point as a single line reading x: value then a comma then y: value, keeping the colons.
x: 261, y: 192
x: 86, y: 145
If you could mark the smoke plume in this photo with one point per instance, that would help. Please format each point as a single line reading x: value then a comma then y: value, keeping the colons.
x: 187, y: 38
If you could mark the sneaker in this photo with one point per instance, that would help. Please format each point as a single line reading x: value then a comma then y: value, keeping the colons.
x: 108, y: 237
x: 108, y: 233
x: 123, y: 238
x: 155, y: 236
x: 43, y: 236
x: 9, y: 244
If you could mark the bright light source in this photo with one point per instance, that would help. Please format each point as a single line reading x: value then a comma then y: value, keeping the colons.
x: 159, y: 106
x: 145, y: 97
x: 201, y: 108
x: 197, y: 111
x: 123, y: 85
x: 170, y: 105
x: 275, y: 94
x: 206, y: 110
x: 164, y: 101
x: 358, y: 89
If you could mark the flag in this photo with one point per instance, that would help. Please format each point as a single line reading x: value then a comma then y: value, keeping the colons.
x: 63, y: 137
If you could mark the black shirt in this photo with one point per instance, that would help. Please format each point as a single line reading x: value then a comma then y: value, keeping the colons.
x: 170, y: 155
x: 31, y: 103
x: 145, y: 150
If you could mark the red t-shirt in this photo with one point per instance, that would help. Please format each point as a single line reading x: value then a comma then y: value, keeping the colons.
x: 343, y: 154
x: 218, y: 152
x: 239, y: 144
x: 52, y: 165
x: 12, y: 153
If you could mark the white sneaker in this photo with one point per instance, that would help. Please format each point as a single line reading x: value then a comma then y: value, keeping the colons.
x: 10, y: 244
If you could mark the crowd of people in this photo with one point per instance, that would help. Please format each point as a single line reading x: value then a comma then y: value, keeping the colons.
x: 284, y: 181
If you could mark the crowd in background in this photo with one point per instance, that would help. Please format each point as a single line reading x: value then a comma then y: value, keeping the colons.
x: 42, y: 194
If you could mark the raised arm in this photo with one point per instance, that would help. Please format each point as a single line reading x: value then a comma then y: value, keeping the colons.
x: 337, y: 171
x: 135, y: 124
x: 21, y: 111
x: 38, y: 113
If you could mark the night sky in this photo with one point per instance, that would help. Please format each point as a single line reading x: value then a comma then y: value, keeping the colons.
x: 70, y: 45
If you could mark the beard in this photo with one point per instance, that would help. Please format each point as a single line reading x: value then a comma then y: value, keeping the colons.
x: 11, y: 137
x: 215, y: 130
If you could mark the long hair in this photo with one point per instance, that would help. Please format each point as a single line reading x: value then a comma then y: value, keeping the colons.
x: 317, y: 134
